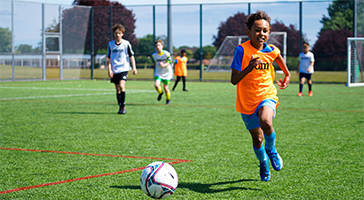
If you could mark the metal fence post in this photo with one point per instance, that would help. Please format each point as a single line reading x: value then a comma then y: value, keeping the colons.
x: 92, y: 42
x: 201, y: 52
x: 12, y: 41
x: 300, y: 50
x: 43, y: 44
x: 60, y: 44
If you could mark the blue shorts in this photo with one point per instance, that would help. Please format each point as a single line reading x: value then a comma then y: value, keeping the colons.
x: 252, y: 121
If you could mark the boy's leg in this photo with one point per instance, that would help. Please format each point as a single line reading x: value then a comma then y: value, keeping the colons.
x: 175, y: 84
x: 157, y: 86
x: 120, y: 95
x: 257, y: 137
x: 302, y: 81
x: 266, y: 114
x: 309, y: 83
x: 184, y: 83
x: 168, y: 93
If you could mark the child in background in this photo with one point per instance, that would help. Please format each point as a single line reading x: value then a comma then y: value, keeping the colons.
x: 305, y: 64
x: 163, y: 70
x: 180, y: 69
x: 119, y: 56
x: 253, y: 73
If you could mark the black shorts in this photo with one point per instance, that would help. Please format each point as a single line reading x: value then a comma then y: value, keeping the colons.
x: 307, y: 76
x: 118, y: 77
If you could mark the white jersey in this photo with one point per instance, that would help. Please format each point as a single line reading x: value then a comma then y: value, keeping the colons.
x: 119, y: 55
x: 165, y: 73
x: 305, y: 62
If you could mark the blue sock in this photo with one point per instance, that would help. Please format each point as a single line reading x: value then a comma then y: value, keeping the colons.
x: 270, y: 140
x: 260, y: 153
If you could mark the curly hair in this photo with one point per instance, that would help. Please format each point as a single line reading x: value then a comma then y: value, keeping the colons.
x: 118, y: 27
x: 159, y: 41
x: 256, y: 16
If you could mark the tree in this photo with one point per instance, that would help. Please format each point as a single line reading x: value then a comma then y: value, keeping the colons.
x: 208, y: 52
x: 145, y: 45
x: 76, y: 24
x: 5, y: 40
x: 340, y: 16
x: 293, y: 35
x: 330, y: 50
x: 235, y: 26
x: 331, y: 46
x: 24, y: 48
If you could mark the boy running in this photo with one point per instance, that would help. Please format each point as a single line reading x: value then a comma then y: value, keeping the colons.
x: 163, y: 70
x: 119, y: 56
x: 180, y: 69
x: 305, y: 68
x: 253, y: 73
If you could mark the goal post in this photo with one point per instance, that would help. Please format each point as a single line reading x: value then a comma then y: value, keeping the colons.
x: 355, y: 62
x: 224, y: 56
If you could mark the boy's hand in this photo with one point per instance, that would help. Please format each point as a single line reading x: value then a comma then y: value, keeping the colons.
x: 111, y: 74
x: 254, y: 62
x: 135, y: 72
x: 283, y: 84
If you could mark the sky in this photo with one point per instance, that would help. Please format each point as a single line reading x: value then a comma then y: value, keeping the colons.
x: 148, y: 2
x: 185, y: 17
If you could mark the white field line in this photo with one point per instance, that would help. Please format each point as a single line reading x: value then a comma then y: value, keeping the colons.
x: 68, y: 95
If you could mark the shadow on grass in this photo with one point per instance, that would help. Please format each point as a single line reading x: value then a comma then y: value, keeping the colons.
x: 201, y: 187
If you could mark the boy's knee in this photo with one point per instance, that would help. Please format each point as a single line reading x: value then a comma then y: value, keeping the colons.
x: 266, y: 124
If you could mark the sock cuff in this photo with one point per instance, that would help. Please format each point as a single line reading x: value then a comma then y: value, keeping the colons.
x: 273, y: 135
x: 159, y: 90
x: 168, y: 95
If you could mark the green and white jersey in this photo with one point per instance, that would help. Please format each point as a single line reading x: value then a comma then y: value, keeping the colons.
x: 165, y: 73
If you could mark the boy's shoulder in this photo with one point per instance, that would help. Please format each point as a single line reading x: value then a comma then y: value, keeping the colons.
x: 125, y: 41
x: 112, y: 42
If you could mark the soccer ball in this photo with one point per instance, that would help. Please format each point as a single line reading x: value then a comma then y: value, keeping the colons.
x: 159, y: 180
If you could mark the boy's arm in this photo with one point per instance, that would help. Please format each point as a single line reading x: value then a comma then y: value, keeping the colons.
x: 283, y: 84
x: 109, y: 67
x: 298, y: 67
x: 164, y: 64
x: 133, y: 64
x: 311, y: 66
x: 237, y: 76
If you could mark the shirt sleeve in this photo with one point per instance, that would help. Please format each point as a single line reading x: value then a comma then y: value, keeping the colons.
x: 108, y: 51
x: 152, y: 57
x: 168, y: 60
x: 130, y: 50
x: 238, y: 58
x: 312, y: 58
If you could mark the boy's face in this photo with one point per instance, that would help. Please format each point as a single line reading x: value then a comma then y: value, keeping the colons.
x: 306, y: 48
x: 159, y: 47
x: 259, y: 33
x: 183, y: 54
x: 118, y: 34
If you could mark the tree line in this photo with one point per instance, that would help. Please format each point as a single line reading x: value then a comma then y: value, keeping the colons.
x: 329, y: 49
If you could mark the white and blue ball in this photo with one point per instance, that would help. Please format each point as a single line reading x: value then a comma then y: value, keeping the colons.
x: 159, y: 180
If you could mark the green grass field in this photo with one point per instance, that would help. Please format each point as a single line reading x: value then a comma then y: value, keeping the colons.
x: 80, y: 141
x: 24, y: 73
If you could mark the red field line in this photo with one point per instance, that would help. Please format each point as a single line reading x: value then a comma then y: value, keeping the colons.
x: 174, y: 161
